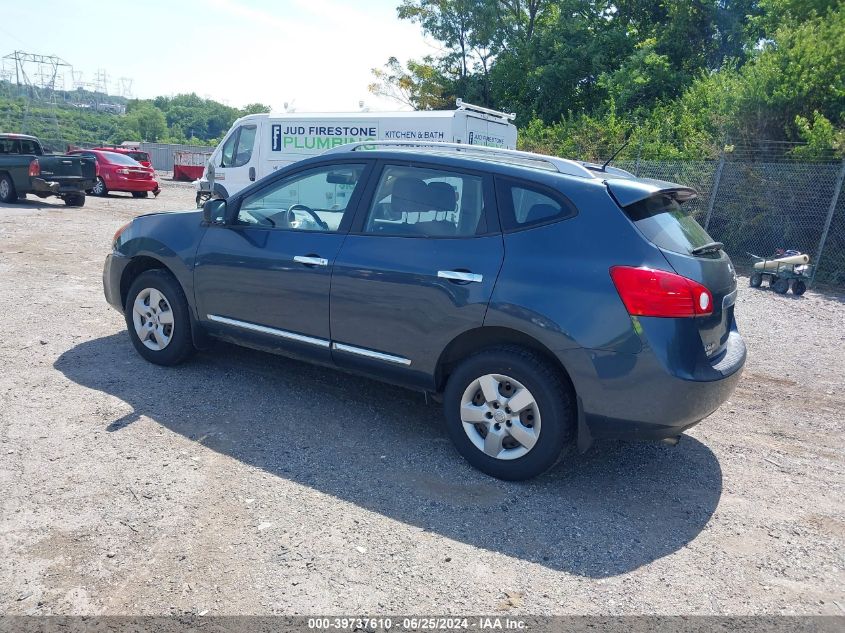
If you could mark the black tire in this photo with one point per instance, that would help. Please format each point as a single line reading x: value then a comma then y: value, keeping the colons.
x: 100, y: 188
x: 139, y: 194
x: 8, y: 195
x: 554, y: 401
x: 74, y: 199
x: 781, y: 286
x: 799, y: 287
x: 756, y: 280
x: 181, y: 344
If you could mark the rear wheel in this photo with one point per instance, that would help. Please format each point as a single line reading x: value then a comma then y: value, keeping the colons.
x: 799, y: 287
x: 99, y: 188
x: 139, y: 194
x: 74, y: 199
x: 756, y: 280
x: 157, y: 318
x: 509, y: 412
x: 781, y: 286
x: 8, y: 194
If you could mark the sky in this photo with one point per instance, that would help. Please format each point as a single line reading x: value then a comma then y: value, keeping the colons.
x: 315, y: 55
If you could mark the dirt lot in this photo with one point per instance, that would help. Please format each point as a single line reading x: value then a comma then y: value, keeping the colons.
x: 245, y: 483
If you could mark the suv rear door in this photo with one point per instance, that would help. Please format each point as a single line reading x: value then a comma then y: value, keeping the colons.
x: 417, y: 270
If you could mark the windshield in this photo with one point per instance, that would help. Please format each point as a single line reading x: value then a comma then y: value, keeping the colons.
x: 662, y: 220
x: 119, y: 159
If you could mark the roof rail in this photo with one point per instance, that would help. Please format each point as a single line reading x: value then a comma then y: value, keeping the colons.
x: 512, y: 156
x: 463, y: 105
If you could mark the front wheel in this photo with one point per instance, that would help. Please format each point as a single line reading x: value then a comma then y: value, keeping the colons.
x: 799, y: 287
x: 509, y: 412
x: 756, y: 280
x: 781, y: 286
x: 158, y: 319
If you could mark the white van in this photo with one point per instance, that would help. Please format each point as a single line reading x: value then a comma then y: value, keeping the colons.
x: 259, y: 144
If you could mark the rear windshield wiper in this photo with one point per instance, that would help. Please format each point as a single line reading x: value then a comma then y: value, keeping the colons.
x: 710, y: 247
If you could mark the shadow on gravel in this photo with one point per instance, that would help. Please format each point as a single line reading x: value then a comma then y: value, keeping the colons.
x: 382, y: 448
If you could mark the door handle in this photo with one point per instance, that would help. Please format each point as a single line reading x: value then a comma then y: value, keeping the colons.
x: 252, y: 174
x: 310, y: 260
x: 459, y: 275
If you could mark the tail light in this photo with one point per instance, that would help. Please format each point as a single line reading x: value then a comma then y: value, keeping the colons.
x: 657, y: 293
x: 119, y: 232
x: 34, y: 168
x: 122, y: 171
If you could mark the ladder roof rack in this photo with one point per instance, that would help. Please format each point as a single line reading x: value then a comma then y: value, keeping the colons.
x: 496, y: 154
x: 463, y: 105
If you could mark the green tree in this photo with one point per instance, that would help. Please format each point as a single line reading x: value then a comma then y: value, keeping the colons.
x: 148, y: 121
x: 419, y: 85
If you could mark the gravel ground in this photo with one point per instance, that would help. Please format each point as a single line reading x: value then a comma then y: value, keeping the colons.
x: 243, y: 483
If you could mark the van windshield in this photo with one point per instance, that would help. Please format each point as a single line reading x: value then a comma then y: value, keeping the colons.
x: 662, y: 220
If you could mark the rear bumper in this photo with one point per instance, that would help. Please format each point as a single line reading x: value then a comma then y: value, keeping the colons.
x: 60, y: 187
x: 127, y: 184
x: 648, y: 395
x: 112, y: 274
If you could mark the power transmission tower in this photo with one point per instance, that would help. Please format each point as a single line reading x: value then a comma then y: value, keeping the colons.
x: 40, y: 76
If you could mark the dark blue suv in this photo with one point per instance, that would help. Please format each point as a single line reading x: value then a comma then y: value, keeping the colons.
x: 545, y: 301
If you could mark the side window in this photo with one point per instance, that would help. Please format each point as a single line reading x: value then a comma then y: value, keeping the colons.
x: 315, y: 200
x: 29, y: 147
x: 246, y: 140
x: 523, y: 205
x: 427, y: 202
x: 227, y: 156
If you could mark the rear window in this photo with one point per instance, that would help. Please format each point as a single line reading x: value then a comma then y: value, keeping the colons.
x: 139, y: 156
x: 119, y: 159
x: 662, y: 220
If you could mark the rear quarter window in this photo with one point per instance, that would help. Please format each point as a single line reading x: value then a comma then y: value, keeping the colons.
x: 666, y: 225
x: 523, y: 205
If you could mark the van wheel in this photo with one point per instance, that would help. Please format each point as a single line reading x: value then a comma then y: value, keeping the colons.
x: 8, y: 194
x: 509, y: 412
x: 158, y: 319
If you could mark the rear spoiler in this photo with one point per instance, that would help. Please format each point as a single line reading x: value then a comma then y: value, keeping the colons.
x: 630, y: 191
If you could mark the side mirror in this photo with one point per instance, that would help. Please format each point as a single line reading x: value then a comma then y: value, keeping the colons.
x: 214, y: 211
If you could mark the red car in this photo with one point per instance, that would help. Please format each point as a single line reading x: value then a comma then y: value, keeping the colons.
x: 118, y: 172
x: 141, y: 157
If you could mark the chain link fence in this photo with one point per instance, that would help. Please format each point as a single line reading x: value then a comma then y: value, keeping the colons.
x: 759, y: 207
x: 751, y: 205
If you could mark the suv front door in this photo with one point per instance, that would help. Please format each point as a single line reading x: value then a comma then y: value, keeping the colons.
x: 264, y: 278
x: 417, y: 270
